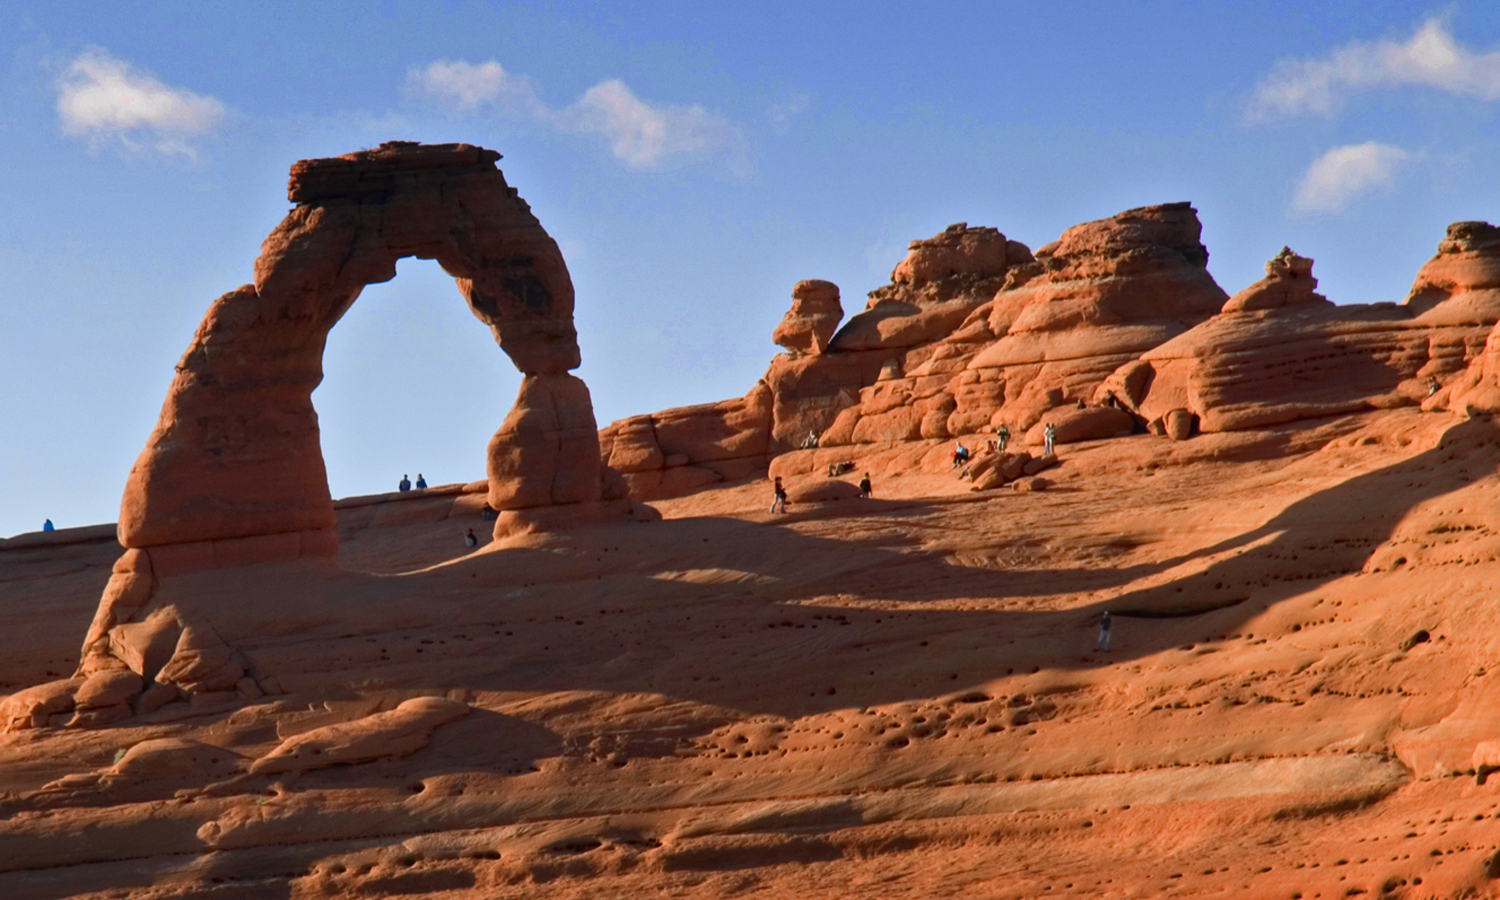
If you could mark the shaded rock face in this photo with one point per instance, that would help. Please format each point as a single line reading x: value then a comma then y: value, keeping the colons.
x: 1279, y: 352
x: 812, y: 318
x: 235, y: 452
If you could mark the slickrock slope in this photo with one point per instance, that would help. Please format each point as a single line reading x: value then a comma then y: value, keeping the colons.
x: 899, y: 696
x: 892, y: 697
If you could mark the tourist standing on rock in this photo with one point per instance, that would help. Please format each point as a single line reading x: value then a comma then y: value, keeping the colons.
x: 1002, y: 437
x: 470, y: 540
x: 1102, y: 645
x: 404, y: 485
x: 864, y: 487
x: 1049, y: 437
x: 421, y: 482
x: 778, y: 496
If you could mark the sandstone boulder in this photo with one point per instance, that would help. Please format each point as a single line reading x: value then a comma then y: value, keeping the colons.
x: 35, y: 706
x: 1179, y: 424
x: 812, y: 318
x: 1087, y: 424
x: 828, y: 491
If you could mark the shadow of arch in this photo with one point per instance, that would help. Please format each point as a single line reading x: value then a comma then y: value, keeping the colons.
x: 235, y: 452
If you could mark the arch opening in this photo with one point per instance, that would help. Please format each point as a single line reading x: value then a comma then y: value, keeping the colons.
x: 411, y: 384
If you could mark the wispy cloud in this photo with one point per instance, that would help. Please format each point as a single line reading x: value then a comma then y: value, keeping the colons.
x: 1343, y: 174
x: 641, y: 134
x: 782, y: 114
x: 1429, y: 58
x: 107, y: 101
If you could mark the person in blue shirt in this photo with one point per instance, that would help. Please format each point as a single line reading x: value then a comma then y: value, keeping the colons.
x: 405, y: 484
x: 47, y: 526
x: 421, y: 482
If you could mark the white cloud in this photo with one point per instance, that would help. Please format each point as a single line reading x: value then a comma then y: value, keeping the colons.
x: 1430, y: 58
x: 104, y: 99
x: 641, y: 134
x: 1342, y: 174
x: 466, y: 87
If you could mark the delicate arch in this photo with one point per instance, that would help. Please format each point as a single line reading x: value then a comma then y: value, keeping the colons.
x: 235, y: 453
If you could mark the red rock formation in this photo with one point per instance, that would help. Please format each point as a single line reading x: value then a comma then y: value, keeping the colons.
x: 812, y: 318
x: 1289, y: 282
x: 233, y: 473
x: 1280, y: 352
x: 1060, y: 323
x: 1461, y: 284
x: 936, y: 286
x: 235, y: 453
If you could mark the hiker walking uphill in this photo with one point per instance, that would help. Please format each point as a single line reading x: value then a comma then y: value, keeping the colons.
x: 778, y: 496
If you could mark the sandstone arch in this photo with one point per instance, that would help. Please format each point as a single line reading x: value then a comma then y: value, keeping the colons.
x: 235, y: 455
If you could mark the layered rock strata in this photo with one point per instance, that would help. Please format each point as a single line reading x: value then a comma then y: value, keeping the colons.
x: 1280, y: 352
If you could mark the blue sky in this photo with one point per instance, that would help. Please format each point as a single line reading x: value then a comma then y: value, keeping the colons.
x: 693, y: 160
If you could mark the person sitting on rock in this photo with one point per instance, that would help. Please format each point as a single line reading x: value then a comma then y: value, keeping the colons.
x: 47, y: 526
x: 404, y: 485
x: 1002, y: 437
x: 778, y: 497
x: 421, y: 482
x: 1433, y: 385
x: 864, y: 487
x: 960, y: 455
x: 470, y: 540
x: 1049, y: 437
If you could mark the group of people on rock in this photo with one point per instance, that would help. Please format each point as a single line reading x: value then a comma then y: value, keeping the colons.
x: 997, y: 444
x: 405, y: 483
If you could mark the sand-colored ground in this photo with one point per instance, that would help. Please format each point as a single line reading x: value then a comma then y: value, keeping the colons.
x: 888, y: 698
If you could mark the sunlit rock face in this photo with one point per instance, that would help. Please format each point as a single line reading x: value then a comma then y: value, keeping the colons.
x: 235, y: 452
